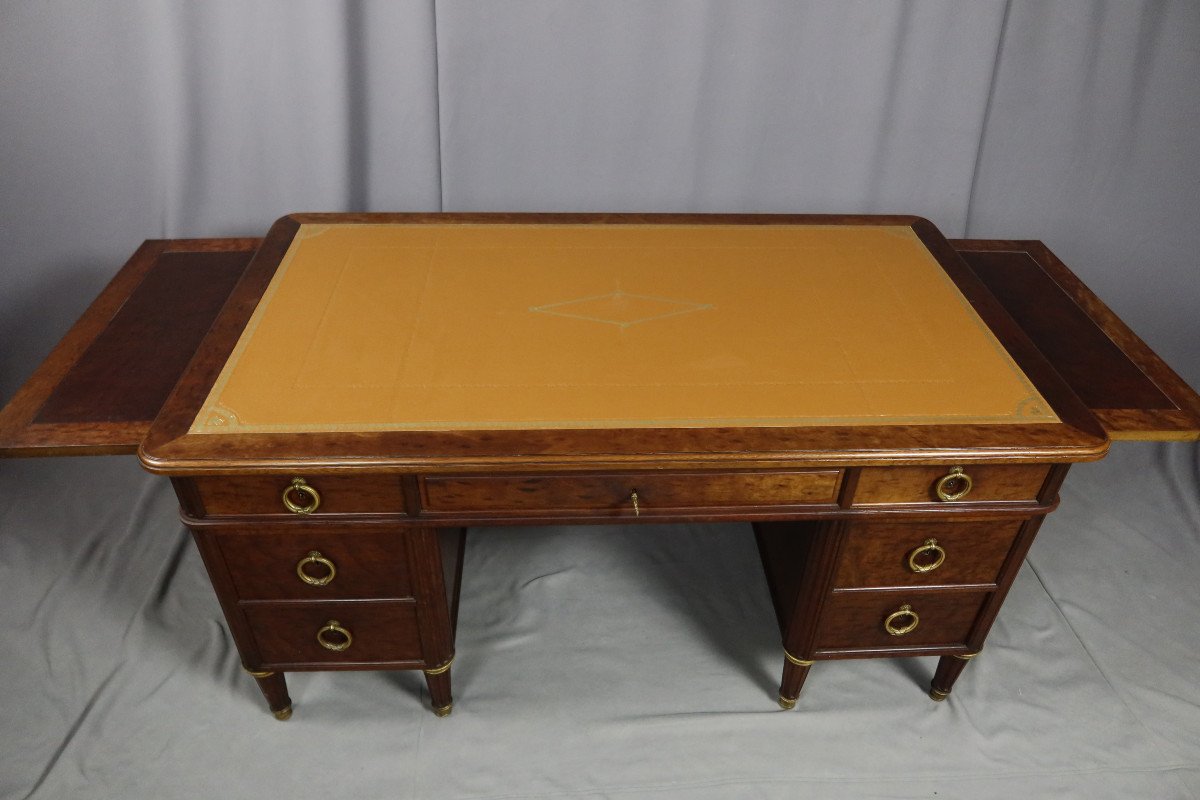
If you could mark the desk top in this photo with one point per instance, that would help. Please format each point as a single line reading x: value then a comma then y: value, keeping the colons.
x: 407, y: 326
x: 107, y: 386
x: 465, y: 342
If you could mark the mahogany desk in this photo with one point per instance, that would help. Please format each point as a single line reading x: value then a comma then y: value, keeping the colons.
x: 336, y: 403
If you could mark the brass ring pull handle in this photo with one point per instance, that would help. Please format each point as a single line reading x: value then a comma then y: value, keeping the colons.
x: 954, y: 478
x: 315, y: 557
x: 917, y: 564
x: 343, y: 641
x: 301, y: 487
x: 637, y: 510
x: 905, y: 610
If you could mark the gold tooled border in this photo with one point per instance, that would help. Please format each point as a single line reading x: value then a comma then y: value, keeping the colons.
x: 220, y: 419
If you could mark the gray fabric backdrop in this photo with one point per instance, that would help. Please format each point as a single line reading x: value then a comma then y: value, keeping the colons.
x: 1070, y: 121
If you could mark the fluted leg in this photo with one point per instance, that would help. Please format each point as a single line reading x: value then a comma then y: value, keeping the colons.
x: 795, y: 670
x: 948, y: 670
x: 438, y: 681
x: 274, y: 688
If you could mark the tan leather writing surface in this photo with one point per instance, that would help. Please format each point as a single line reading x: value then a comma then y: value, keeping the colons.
x: 477, y: 326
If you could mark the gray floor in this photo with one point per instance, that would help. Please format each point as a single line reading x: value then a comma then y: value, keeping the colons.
x: 599, y: 661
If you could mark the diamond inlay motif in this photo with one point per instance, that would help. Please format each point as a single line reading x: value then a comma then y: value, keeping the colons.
x: 620, y: 308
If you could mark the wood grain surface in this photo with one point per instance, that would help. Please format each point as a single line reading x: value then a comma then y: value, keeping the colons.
x: 105, y: 382
x: 170, y: 449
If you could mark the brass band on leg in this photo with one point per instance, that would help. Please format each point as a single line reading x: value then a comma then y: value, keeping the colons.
x: 799, y: 662
x: 937, y: 694
x: 787, y: 704
x: 439, y: 670
x: 266, y: 673
x: 445, y: 710
x: 283, y: 714
x: 966, y: 656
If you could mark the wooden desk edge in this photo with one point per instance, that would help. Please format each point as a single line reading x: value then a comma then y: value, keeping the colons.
x: 21, y: 436
x: 1138, y: 424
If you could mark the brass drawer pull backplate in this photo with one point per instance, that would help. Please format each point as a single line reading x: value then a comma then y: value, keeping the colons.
x: 337, y: 645
x: 315, y: 557
x: 905, y: 611
x: 954, y: 485
x: 300, y: 486
x: 916, y: 561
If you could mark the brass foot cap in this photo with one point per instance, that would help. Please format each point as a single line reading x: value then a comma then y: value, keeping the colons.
x: 786, y: 704
x: 938, y: 695
x: 283, y: 714
x: 445, y: 710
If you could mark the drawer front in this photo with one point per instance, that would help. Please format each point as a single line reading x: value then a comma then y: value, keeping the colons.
x: 338, y: 563
x: 988, y: 483
x: 615, y: 492
x: 856, y: 620
x: 881, y: 554
x: 264, y: 494
x: 380, y: 632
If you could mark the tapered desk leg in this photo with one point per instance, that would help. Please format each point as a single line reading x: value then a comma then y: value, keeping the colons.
x: 795, y: 670
x: 274, y: 688
x: 948, y: 670
x: 438, y: 681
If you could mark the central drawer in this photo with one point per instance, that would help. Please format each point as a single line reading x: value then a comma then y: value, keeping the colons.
x: 628, y: 494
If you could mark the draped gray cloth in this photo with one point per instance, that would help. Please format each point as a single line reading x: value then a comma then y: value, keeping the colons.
x: 600, y: 661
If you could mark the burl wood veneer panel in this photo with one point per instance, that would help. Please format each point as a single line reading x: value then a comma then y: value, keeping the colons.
x: 104, y: 383
x: 1133, y: 393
